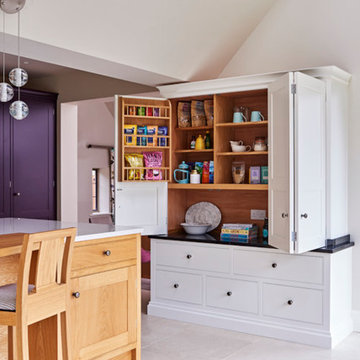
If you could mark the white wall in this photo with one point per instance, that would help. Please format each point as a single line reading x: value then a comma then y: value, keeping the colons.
x: 95, y: 126
x: 307, y: 33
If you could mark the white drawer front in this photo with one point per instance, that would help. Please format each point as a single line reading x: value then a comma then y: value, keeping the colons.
x: 307, y: 269
x: 193, y: 257
x: 293, y: 303
x: 179, y: 286
x: 231, y: 294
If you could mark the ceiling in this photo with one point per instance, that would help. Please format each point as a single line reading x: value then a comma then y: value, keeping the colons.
x: 148, y: 42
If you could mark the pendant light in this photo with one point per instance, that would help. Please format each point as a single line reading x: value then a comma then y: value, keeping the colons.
x: 17, y: 76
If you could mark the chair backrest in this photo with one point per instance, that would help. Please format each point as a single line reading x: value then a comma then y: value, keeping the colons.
x: 48, y: 256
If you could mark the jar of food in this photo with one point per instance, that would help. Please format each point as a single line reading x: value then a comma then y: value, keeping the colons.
x: 238, y: 172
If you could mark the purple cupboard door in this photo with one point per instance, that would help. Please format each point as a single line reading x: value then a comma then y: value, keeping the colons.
x: 5, y: 198
x: 33, y: 159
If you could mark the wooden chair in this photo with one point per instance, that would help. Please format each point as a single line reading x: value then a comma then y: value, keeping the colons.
x: 41, y: 291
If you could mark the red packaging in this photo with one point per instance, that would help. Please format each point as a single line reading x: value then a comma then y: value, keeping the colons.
x: 205, y: 172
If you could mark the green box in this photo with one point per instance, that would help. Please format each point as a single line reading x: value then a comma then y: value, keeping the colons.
x: 264, y: 175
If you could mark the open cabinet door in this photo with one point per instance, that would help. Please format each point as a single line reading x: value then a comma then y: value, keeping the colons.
x: 309, y: 163
x: 142, y: 204
x: 297, y: 163
x: 281, y: 164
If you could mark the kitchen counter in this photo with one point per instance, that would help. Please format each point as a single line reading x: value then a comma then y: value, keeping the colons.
x: 214, y: 238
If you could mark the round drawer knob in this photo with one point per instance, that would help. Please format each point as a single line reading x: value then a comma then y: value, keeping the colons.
x: 188, y: 256
x: 229, y: 293
x: 305, y: 216
x: 76, y: 294
x: 284, y: 215
x: 274, y: 265
x: 107, y: 252
x: 290, y: 302
x: 176, y: 286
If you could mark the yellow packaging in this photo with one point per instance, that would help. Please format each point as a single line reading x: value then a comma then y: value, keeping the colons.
x: 130, y: 132
x: 134, y: 161
x: 152, y: 130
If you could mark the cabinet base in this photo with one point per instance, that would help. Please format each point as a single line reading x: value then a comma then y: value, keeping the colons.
x: 308, y: 336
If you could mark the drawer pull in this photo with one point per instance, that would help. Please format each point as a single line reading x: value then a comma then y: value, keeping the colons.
x: 305, y: 216
x: 290, y: 302
x: 188, y: 256
x: 76, y: 294
x: 176, y: 286
x: 284, y: 215
x: 274, y: 265
x: 107, y: 252
x: 229, y: 293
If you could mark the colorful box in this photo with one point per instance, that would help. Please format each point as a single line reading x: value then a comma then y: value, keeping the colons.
x: 264, y: 175
x: 254, y: 175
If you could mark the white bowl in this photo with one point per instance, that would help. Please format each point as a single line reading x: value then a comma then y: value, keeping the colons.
x: 195, y: 229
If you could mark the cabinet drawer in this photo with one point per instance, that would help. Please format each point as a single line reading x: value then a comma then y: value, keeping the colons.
x: 293, y: 303
x: 179, y: 286
x: 193, y: 257
x: 103, y: 253
x: 306, y: 269
x: 231, y: 294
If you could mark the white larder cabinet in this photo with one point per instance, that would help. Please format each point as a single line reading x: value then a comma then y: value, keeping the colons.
x: 297, y: 163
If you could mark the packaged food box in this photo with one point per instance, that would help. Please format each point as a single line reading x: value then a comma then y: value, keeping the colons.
x: 254, y: 175
x: 130, y: 132
x: 141, y: 141
x: 152, y: 130
x: 162, y: 130
x: 264, y: 175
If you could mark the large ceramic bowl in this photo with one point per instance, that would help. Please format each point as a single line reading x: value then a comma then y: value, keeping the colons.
x: 195, y: 229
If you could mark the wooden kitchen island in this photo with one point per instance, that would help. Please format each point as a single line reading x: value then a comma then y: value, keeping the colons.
x: 104, y: 297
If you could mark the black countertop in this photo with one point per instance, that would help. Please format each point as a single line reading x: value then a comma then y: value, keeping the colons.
x: 214, y: 238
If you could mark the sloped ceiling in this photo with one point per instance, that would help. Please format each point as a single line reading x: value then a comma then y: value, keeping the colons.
x: 149, y: 42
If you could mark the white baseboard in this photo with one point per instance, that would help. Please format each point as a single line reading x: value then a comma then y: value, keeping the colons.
x: 307, y: 336
x: 145, y: 284
x: 356, y: 318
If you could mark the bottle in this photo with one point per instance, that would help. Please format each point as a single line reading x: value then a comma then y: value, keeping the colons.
x: 200, y: 143
x: 207, y: 140
x: 205, y: 173
x: 265, y: 231
x: 193, y: 142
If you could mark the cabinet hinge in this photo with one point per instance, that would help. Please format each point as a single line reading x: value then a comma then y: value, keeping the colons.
x: 294, y: 236
x: 293, y: 88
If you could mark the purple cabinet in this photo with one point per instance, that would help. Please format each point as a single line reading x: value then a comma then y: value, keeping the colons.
x: 30, y: 164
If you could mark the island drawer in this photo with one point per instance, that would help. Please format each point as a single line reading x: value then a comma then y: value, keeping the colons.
x: 102, y: 252
x: 232, y: 294
x: 193, y: 257
x: 293, y: 303
x: 178, y: 286
x: 299, y: 268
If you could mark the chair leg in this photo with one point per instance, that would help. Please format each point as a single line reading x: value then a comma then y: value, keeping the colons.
x: 11, y: 343
x: 65, y: 343
x: 22, y: 342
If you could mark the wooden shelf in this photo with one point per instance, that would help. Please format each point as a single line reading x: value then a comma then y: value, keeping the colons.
x: 195, y: 128
x: 133, y: 147
x: 244, y: 153
x: 146, y: 117
x: 244, y: 124
x: 145, y: 168
x: 261, y: 187
x: 194, y: 151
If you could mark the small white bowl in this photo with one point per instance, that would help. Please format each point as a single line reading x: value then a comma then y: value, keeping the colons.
x: 195, y: 229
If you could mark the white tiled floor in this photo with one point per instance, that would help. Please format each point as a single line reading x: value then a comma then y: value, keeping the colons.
x: 164, y: 339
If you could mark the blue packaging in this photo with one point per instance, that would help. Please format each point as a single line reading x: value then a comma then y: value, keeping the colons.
x: 162, y: 130
x: 211, y: 172
x: 141, y: 141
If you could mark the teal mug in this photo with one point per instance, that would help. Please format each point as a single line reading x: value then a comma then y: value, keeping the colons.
x: 238, y: 117
x: 256, y: 116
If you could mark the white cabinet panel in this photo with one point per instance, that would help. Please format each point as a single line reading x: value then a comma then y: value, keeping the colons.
x: 309, y: 162
x: 293, y: 303
x: 300, y: 268
x: 172, y: 285
x: 231, y: 294
x: 194, y: 257
x: 281, y: 183
x: 142, y: 205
